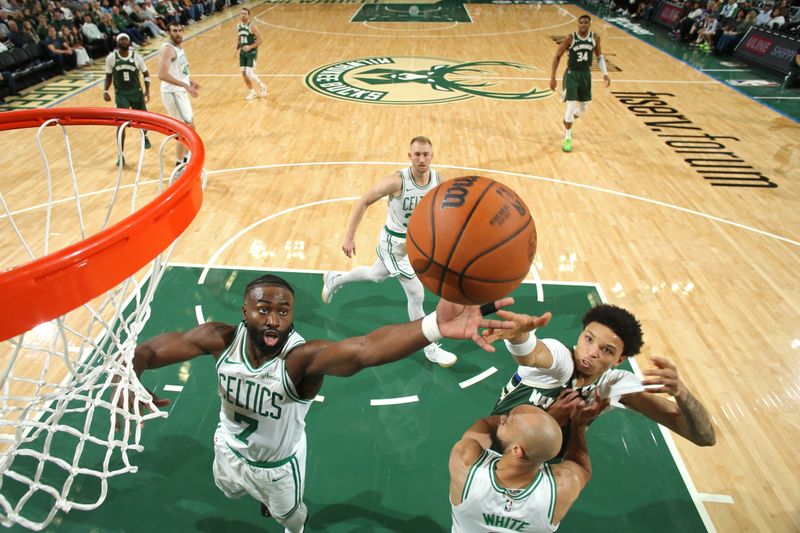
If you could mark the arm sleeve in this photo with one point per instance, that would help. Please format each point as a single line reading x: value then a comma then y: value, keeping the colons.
x: 110, y: 63
x: 559, y: 372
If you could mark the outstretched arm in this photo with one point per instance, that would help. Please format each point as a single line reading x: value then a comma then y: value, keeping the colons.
x: 395, y: 342
x: 531, y: 351
x: 686, y: 416
x: 388, y: 186
x: 170, y: 348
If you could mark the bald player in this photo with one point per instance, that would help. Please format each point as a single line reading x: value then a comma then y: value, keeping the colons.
x: 516, y: 490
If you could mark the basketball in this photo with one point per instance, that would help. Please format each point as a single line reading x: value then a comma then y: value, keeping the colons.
x: 471, y: 240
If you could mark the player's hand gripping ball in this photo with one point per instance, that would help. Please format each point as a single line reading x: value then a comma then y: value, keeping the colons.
x: 471, y: 240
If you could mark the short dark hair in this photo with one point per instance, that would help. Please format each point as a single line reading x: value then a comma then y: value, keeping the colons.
x: 176, y: 24
x: 587, y: 17
x: 621, y: 322
x: 269, y: 280
x: 245, y: 9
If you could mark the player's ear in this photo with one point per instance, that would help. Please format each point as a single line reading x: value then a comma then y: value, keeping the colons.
x: 244, y: 313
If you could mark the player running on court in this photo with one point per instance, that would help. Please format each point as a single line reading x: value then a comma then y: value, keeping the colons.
x: 577, y: 84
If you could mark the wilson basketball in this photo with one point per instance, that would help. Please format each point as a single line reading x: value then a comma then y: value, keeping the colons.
x: 471, y: 240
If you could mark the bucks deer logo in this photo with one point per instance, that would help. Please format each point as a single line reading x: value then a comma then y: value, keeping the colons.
x: 424, y: 80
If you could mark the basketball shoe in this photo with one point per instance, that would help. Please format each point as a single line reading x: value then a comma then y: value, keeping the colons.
x: 262, y: 91
x: 567, y: 146
x: 251, y: 95
x: 329, y: 286
x: 436, y: 354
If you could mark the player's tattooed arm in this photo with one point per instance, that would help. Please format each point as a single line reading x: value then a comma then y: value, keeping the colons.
x: 698, y: 423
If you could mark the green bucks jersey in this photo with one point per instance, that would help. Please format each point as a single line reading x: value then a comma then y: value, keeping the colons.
x: 125, y: 71
x: 580, y: 52
x: 245, y: 36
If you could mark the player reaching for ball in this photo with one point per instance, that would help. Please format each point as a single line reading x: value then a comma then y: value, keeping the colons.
x: 405, y: 189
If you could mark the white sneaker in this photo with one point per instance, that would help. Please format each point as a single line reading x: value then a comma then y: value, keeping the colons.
x: 329, y: 287
x: 436, y: 354
x: 251, y: 95
x: 263, y: 91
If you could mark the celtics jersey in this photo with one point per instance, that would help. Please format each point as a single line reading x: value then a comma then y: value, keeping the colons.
x: 486, y: 506
x: 245, y: 37
x: 125, y: 71
x: 401, y: 206
x: 580, y: 52
x: 261, y: 414
x: 178, y: 69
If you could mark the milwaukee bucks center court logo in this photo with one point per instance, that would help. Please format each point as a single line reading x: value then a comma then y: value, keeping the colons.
x: 400, y: 80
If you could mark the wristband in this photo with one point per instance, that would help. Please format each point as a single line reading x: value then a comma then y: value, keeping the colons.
x: 521, y: 350
x: 430, y: 328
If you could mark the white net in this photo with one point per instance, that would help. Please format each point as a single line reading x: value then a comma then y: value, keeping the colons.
x: 71, y: 406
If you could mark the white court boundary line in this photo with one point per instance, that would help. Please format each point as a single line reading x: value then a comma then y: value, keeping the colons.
x: 530, y: 177
x: 394, y: 401
x: 478, y: 378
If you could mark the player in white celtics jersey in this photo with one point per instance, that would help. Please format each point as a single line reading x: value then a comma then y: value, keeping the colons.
x: 499, y: 478
x: 173, y: 71
x: 248, y: 40
x: 556, y: 378
x: 577, y: 85
x: 404, y: 189
x: 267, y: 375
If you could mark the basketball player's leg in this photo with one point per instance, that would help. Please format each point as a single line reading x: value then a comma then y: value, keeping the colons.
x: 227, y: 469
x: 138, y: 103
x: 254, y: 81
x: 286, y: 487
x: 380, y: 270
x: 178, y: 106
x: 571, y: 96
x: 415, y: 294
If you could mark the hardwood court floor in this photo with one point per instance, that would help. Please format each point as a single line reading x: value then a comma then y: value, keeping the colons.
x: 710, y: 270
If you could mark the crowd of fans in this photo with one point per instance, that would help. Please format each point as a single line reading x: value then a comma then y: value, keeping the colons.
x: 72, y: 33
x: 717, y: 26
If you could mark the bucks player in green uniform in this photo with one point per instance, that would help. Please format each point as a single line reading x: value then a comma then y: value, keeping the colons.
x: 248, y: 39
x: 267, y: 376
x: 577, y: 86
x: 123, y: 67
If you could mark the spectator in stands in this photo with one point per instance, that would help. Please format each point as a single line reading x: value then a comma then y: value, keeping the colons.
x: 168, y: 11
x: 59, y: 51
x: 707, y: 34
x: 728, y: 11
x: 72, y: 38
x: 764, y: 15
x: 3, y: 25
x: 733, y: 32
x: 684, y: 25
x: 95, y: 40
x: 41, y: 26
x: 16, y: 37
x: 138, y: 18
x: 777, y: 20
x: 126, y: 25
x: 149, y: 12
x: 27, y: 29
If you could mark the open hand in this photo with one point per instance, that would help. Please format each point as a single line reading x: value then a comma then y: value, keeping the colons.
x: 458, y: 321
x: 522, y: 324
x: 665, y: 374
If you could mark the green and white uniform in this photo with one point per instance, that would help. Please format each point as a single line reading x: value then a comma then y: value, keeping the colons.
x: 246, y: 59
x: 125, y: 75
x: 175, y: 98
x: 487, y: 507
x: 392, y: 245
x: 260, y: 442
x: 541, y: 386
x: 577, y: 77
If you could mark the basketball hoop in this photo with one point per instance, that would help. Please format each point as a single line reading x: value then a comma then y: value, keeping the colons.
x: 71, y: 317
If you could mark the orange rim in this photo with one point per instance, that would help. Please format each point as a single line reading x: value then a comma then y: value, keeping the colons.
x: 70, y: 277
